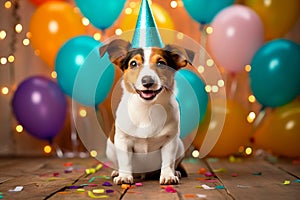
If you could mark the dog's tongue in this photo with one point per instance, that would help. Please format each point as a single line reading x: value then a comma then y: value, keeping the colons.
x: 147, y: 94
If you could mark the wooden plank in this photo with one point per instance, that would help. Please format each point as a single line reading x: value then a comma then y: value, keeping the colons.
x: 39, y: 177
x: 255, y: 179
x: 188, y: 188
x: 290, y: 166
x: 98, y: 182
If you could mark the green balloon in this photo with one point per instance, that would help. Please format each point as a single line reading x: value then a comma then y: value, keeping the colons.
x: 275, y: 73
x: 204, y: 11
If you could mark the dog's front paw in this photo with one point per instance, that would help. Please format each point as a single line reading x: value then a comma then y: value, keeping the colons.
x: 168, y: 179
x: 123, y: 178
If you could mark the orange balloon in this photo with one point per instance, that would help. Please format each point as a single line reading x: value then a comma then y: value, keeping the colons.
x: 280, y: 131
x: 278, y: 16
x: 51, y: 25
x: 161, y: 16
x: 236, y: 130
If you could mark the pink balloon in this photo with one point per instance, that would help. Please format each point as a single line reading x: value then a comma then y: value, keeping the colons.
x: 237, y: 34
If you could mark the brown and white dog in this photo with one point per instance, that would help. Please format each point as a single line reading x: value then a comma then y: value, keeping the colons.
x: 146, y: 136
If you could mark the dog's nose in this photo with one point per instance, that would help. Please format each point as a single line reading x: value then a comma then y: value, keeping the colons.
x: 147, y: 81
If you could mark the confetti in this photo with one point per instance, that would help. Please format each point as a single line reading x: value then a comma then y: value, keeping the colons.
x: 243, y: 186
x: 55, y: 174
x: 92, y: 185
x: 69, y: 170
x: 90, y: 171
x: 257, y: 173
x: 91, y: 179
x: 297, y: 181
x: 80, y: 190
x: 202, y: 171
x: 92, y: 195
x: 125, y: 186
x: 138, y: 184
x: 213, y: 160
x: 98, y: 167
x: 234, y: 174
x: 201, y: 195
x: 72, y: 187
x: 106, y: 184
x: 208, y: 174
x: 189, y: 195
x: 1, y: 195
x: 98, y: 191
x: 206, y: 187
x: 219, y: 170
x: 286, y: 182
x: 16, y: 189
x: 170, y: 189
x: 220, y: 187
x: 68, y: 164
x: 109, y: 191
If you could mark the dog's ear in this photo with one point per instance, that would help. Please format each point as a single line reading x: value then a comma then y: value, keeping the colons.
x: 181, y: 56
x: 116, y: 49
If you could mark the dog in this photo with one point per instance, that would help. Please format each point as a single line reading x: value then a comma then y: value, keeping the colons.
x: 146, y: 136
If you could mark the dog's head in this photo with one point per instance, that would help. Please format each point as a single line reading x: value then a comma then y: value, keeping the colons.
x: 148, y: 72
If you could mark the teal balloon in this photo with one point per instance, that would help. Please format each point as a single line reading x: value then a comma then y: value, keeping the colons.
x: 81, y: 73
x: 192, y: 99
x: 275, y: 73
x: 204, y: 11
x: 101, y: 13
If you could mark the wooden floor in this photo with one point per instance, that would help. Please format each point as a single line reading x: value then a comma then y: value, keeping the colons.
x: 53, y: 178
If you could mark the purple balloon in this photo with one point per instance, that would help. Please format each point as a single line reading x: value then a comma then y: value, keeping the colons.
x: 40, y: 107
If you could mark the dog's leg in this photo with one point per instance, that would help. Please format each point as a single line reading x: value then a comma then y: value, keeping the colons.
x: 168, y: 175
x: 124, y: 157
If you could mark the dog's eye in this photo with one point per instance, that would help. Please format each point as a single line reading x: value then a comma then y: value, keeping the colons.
x: 133, y: 64
x: 161, y: 64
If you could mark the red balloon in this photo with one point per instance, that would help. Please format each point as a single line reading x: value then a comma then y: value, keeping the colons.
x: 40, y: 2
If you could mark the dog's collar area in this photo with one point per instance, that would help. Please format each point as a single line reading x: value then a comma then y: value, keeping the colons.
x: 148, y: 94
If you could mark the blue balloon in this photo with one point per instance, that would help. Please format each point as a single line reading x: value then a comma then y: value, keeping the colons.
x: 203, y: 11
x: 101, y: 13
x: 192, y: 99
x: 81, y: 73
x: 275, y: 70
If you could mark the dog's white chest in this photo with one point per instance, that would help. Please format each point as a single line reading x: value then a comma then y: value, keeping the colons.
x: 140, y: 120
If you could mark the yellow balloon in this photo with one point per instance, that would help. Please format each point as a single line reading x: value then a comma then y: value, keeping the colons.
x: 279, y: 132
x: 51, y: 25
x: 278, y: 16
x: 161, y: 16
x: 236, y: 131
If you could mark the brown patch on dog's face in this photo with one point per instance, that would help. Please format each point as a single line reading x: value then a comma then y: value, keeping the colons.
x: 132, y: 71
x: 147, y: 71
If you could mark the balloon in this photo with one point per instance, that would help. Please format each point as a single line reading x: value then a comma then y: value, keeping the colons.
x: 40, y: 2
x: 237, y: 35
x: 274, y: 75
x: 51, y: 25
x: 40, y: 107
x: 203, y: 11
x: 236, y: 130
x: 279, y: 132
x: 278, y: 16
x: 101, y: 13
x: 161, y: 16
x: 192, y: 99
x: 81, y: 73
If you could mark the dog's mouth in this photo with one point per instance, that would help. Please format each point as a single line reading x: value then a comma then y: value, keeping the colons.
x: 148, y: 94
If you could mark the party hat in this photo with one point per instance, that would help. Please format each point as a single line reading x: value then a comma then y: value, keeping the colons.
x: 146, y: 33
